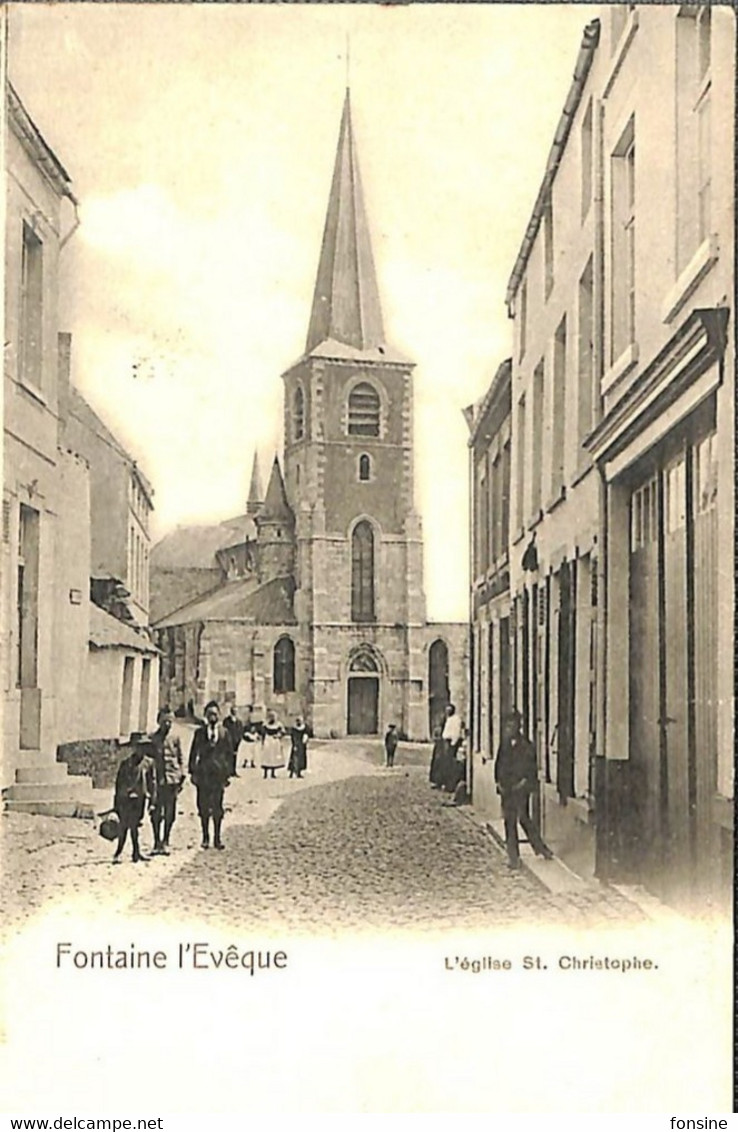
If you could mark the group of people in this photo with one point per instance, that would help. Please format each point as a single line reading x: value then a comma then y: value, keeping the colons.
x: 154, y: 773
x: 516, y: 778
x: 447, y: 770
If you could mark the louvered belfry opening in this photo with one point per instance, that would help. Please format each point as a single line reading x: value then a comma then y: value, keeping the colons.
x: 363, y: 410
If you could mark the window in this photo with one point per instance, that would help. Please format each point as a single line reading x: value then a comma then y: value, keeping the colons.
x: 585, y: 354
x: 482, y: 516
x: 523, y: 317
x: 694, y: 114
x: 586, y: 159
x: 520, y: 466
x: 558, y: 422
x: 299, y: 411
x: 644, y: 516
x: 623, y: 244
x: 31, y: 327
x: 505, y: 501
x: 704, y: 168
x: 537, y: 439
x: 362, y: 572
x: 548, y: 247
x: 365, y: 468
x: 284, y: 666
x: 363, y: 410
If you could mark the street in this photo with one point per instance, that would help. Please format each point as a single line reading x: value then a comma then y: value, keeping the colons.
x: 352, y: 846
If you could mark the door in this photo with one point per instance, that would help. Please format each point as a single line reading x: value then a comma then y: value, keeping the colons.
x: 28, y: 628
x: 126, y: 696
x: 566, y: 678
x: 439, y: 693
x: 363, y: 705
x: 644, y: 691
x: 143, y: 703
x: 674, y: 719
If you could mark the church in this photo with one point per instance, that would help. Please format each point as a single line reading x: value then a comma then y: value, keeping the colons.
x: 317, y: 606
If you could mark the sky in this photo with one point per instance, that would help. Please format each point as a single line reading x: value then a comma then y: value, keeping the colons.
x: 200, y: 140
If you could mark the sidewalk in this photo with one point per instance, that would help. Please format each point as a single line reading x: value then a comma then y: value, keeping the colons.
x: 560, y: 880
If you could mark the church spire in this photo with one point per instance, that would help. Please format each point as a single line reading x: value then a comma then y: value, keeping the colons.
x: 346, y: 304
x: 256, y: 491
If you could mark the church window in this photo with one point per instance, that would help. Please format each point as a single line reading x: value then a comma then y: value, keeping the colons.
x: 363, y: 662
x: 299, y: 413
x: 284, y: 666
x: 363, y: 410
x: 365, y: 468
x: 362, y: 572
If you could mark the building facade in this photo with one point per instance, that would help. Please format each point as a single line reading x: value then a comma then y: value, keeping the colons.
x: 492, y: 689
x: 339, y: 551
x: 622, y: 498
x: 121, y: 497
x: 50, y: 674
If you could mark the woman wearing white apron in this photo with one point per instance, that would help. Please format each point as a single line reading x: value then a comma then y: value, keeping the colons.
x: 272, y: 757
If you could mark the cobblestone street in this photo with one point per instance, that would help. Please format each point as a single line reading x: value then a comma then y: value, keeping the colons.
x: 352, y: 846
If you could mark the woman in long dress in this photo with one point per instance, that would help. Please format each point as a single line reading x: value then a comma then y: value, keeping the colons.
x: 436, y: 774
x: 272, y: 757
x: 298, y: 753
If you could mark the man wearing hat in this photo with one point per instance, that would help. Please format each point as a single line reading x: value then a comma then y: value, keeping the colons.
x: 210, y: 767
x: 169, y: 776
x: 516, y: 776
x: 134, y: 786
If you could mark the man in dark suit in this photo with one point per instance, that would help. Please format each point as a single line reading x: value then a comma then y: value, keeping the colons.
x: 516, y: 776
x: 210, y: 767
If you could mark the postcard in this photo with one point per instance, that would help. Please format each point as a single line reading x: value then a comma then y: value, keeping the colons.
x: 367, y: 561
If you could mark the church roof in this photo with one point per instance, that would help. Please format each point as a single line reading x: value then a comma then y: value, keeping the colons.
x: 346, y: 303
x: 276, y: 505
x: 194, y: 547
x: 268, y: 604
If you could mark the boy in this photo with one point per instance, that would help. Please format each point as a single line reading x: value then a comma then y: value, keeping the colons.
x: 390, y: 744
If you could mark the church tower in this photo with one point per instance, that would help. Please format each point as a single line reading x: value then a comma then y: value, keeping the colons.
x: 348, y: 461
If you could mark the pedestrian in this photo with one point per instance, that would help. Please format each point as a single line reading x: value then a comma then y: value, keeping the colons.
x: 452, y: 736
x: 299, y: 736
x: 134, y: 787
x: 435, y: 774
x: 272, y: 758
x: 210, y: 765
x: 169, y: 777
x: 390, y: 744
x: 234, y: 727
x: 251, y: 735
x: 516, y: 777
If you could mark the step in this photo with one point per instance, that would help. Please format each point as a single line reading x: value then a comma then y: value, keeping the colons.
x: 71, y: 788
x: 42, y: 772
x: 59, y: 808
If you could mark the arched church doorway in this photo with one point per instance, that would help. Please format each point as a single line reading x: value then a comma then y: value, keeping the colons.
x: 439, y: 694
x: 363, y: 694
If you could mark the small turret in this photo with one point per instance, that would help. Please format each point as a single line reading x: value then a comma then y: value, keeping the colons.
x: 275, y: 525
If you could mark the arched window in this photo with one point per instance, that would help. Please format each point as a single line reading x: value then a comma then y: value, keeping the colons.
x: 299, y: 413
x: 363, y: 662
x: 365, y: 467
x: 362, y: 572
x: 284, y: 666
x: 363, y: 410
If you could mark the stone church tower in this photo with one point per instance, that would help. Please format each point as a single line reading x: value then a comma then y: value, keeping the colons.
x: 348, y: 462
x: 320, y: 609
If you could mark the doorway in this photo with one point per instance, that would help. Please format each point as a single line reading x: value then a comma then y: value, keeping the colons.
x: 363, y: 695
x: 439, y: 693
